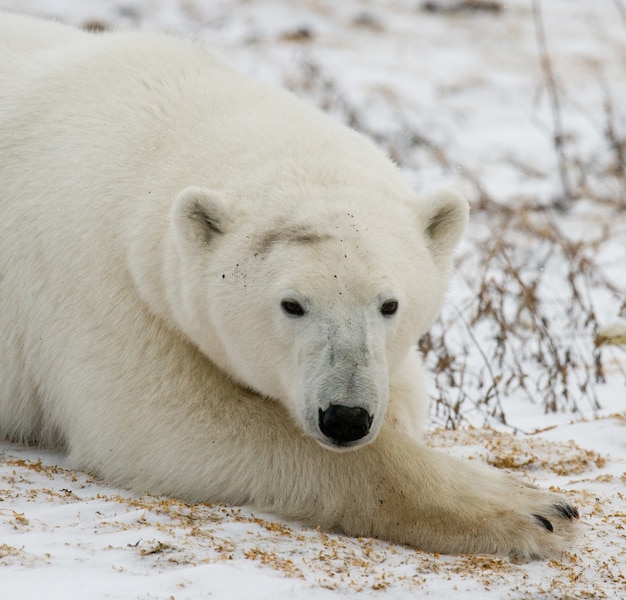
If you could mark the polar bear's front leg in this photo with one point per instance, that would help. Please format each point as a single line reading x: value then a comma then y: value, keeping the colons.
x: 399, y: 490
x: 429, y: 500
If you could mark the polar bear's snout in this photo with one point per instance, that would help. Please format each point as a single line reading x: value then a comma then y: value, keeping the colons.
x: 343, y: 385
x: 343, y: 424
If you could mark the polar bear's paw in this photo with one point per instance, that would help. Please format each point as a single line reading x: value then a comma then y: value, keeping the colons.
x: 528, y: 524
x: 459, y: 507
x: 549, y: 530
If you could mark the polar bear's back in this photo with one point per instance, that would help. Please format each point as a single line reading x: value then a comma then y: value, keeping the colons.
x: 25, y: 36
x: 28, y: 33
x: 82, y: 104
x: 149, y: 101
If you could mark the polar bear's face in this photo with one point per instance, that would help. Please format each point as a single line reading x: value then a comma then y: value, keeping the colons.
x: 315, y: 311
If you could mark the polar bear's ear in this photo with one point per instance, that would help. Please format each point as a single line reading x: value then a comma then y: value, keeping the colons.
x: 444, y: 217
x: 198, y: 215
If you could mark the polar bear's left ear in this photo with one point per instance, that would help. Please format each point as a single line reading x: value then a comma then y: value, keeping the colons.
x: 198, y: 215
x: 444, y: 216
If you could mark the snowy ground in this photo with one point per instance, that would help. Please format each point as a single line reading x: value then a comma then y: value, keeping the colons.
x: 459, y: 98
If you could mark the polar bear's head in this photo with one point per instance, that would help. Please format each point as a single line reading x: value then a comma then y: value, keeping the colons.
x: 316, y: 304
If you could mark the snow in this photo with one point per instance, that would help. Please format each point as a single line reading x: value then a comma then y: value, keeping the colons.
x: 469, y: 87
x: 65, y: 535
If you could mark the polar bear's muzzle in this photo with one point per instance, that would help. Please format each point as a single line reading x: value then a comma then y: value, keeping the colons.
x: 344, y: 424
x: 343, y: 385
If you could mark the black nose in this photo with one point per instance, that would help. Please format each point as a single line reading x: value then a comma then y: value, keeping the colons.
x: 344, y: 423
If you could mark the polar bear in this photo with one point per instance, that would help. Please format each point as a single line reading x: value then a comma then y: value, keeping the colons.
x: 210, y: 290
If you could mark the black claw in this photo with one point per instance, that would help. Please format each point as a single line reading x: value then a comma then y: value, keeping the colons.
x: 566, y: 511
x: 544, y: 522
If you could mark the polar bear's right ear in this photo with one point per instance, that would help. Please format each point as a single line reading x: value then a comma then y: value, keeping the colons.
x: 444, y: 217
x: 198, y: 215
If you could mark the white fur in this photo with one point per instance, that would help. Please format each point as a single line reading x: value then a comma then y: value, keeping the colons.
x: 156, y: 209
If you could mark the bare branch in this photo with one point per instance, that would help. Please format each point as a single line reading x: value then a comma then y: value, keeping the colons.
x: 558, y: 137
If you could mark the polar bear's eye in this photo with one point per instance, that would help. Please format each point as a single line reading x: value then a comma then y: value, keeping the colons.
x: 389, y: 308
x: 292, y: 307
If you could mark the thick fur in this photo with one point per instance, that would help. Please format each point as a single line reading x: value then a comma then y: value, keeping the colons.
x: 195, y: 266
